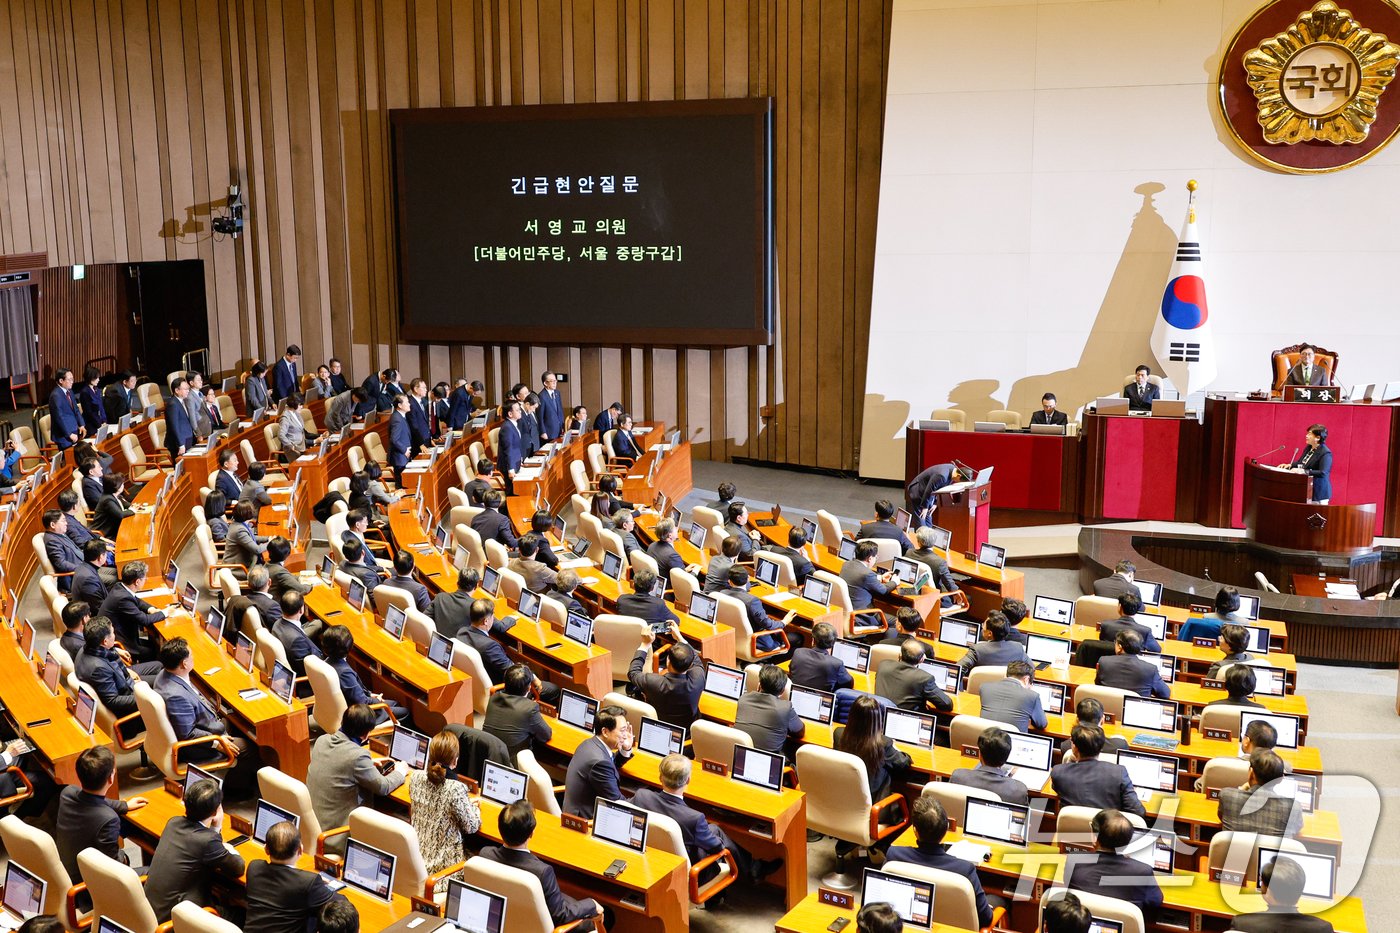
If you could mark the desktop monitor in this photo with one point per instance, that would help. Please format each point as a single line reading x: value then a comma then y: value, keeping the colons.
x: 85, y: 708
x: 959, y: 632
x: 1269, y: 681
x: 1049, y: 609
x: 813, y: 705
x: 1319, y: 871
x: 1149, y: 713
x: 1156, y: 773
x: 911, y: 728
x: 394, y: 619
x: 369, y: 869
x: 990, y: 555
x: 214, y: 625
x: 530, y: 604
x: 1151, y: 593
x: 902, y: 518
x: 697, y: 534
x: 172, y: 574
x: 490, y: 581
x: 817, y: 591
x: 620, y: 824
x: 853, y: 654
x: 1165, y: 664
x: 1052, y: 696
x: 281, y: 682
x: 946, y: 675
x: 24, y: 891
x: 556, y: 527
x: 473, y: 910
x: 269, y: 815
x: 761, y: 769
x: 723, y: 681
x: 1249, y: 607
x: 1046, y: 649
x: 440, y: 650
x: 660, y: 738
x: 703, y: 606
x: 1289, y: 728
x: 356, y: 596
x: 846, y: 550
x: 1155, y: 622
x: 503, y: 785
x: 809, y: 530
x: 189, y: 596
x: 577, y: 710
x: 1002, y: 822
x: 766, y: 569
x: 1153, y: 848
x: 1258, y: 638
x: 578, y: 628
x: 612, y: 565
x: 409, y: 747
x: 911, y: 898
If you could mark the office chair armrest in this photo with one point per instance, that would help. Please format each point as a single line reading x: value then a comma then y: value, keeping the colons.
x: 124, y: 744
x: 998, y: 916
x: 699, y: 895
x: 37, y: 460
x: 328, y: 834
x: 24, y: 794
x: 879, y: 805
x: 214, y: 569
x: 66, y: 573
x: 960, y: 603
x: 625, y: 462
x: 388, y: 727
x: 436, y: 877
x: 858, y: 631
x: 776, y: 633
x: 790, y: 777
x: 570, y: 927
x: 219, y: 741
x: 166, y: 927
x: 70, y: 908
x: 496, y: 688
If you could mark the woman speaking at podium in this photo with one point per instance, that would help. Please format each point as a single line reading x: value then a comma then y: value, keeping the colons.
x: 1316, y: 461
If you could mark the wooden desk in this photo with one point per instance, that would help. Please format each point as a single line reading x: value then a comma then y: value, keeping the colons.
x: 715, y: 642
x: 1037, y: 475
x: 810, y: 915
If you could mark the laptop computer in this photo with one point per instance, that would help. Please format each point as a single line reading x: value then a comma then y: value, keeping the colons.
x: 1149, y: 713
x: 1031, y: 758
x: 269, y: 815
x: 1058, y: 429
x: 409, y: 747
x: 1049, y: 609
x: 1111, y: 405
x: 1150, y: 592
x: 723, y: 681
x: 578, y: 628
x: 1001, y: 822
x: 470, y: 909
x: 1155, y: 773
x: 369, y: 869
x: 911, y: 898
x: 620, y: 824
x: 946, y: 675
x: 23, y: 897
x: 1289, y: 728
x: 1319, y: 871
x: 1169, y: 408
x: 660, y: 738
x: 577, y: 710
x: 503, y: 785
x: 988, y: 427
x: 911, y: 728
x: 958, y: 632
x: 813, y: 705
x: 853, y: 654
x: 1052, y: 696
x: 759, y: 768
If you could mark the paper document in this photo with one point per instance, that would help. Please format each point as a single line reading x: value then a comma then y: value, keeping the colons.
x: 780, y: 598
x: 970, y: 851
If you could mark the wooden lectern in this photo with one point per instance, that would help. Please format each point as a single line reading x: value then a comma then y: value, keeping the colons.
x: 1277, y: 513
x: 967, y: 515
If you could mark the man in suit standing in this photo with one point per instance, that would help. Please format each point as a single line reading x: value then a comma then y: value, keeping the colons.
x: 995, y: 648
x: 130, y: 614
x: 930, y: 826
x: 1047, y: 413
x: 675, y: 693
x: 1089, y: 782
x: 179, y: 429
x: 1110, y: 874
x: 87, y: 817
x: 461, y: 403
x: 551, y: 414
x: 797, y: 542
x: 594, y: 768
x: 1126, y: 671
x: 1281, y: 882
x: 608, y: 418
x: 450, y: 609
x: 884, y: 527
x: 991, y: 773
x: 1129, y: 605
x: 420, y: 429
x: 342, y: 775
x: 1119, y: 582
x: 510, y: 446
x: 492, y: 524
x: 285, y: 378
x: 529, y: 425
x: 120, y: 397
x: 400, y: 437
x: 342, y: 409
x: 1306, y: 372
x: 191, y: 851
x: 517, y: 825
x: 1254, y: 807
x: 922, y: 487
x: 283, y: 898
x: 513, y: 716
x: 65, y: 421
x: 769, y: 719
x: 862, y: 582
x: 1141, y: 393
x: 194, y: 404
x: 815, y: 667
x: 900, y: 681
x: 1012, y: 700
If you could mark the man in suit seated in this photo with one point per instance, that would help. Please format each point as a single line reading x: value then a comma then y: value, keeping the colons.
x: 480, y: 484
x: 62, y: 553
x: 256, y: 597
x: 900, y: 681
x: 995, y: 648
x: 815, y: 667
x: 1089, y: 712
x: 663, y: 550
x: 537, y: 575
x: 280, y: 579
x: 1064, y: 913
x: 1015, y: 611
x: 1012, y: 700
x: 1281, y: 882
x: 566, y: 584
x: 517, y: 825
x: 192, y: 717
x: 79, y: 533
x: 288, y: 630
x: 926, y: 554
x: 883, y: 527
x: 608, y: 418
x: 478, y: 633
x: 930, y: 826
x: 337, y: 642
x: 342, y: 776
x: 513, y: 716
x: 675, y: 693
x: 450, y: 610
x: 701, y: 839
x: 1240, y: 683
x: 131, y: 615
x: 1129, y: 605
x: 405, y: 580
x: 1118, y: 582
x: 1047, y: 413
x: 492, y: 524
x: 726, y: 493
x: 1234, y: 642
x: 1126, y: 671
x: 736, y: 525
x: 283, y: 898
x: 862, y: 582
x: 100, y: 666
x: 191, y: 852
x: 359, y: 565
x: 244, y: 546
x: 594, y: 767
x: 625, y: 526
x: 226, y: 480
x: 75, y: 616
x: 120, y: 397
x: 758, y: 617
x: 1141, y: 393
x: 795, y: 552
x: 1255, y: 807
x: 1090, y: 782
x: 769, y: 719
x: 641, y: 604
x: 907, y: 623
x: 717, y: 573
x: 991, y: 773
x: 1111, y: 874
x: 1306, y: 372
x: 87, y: 817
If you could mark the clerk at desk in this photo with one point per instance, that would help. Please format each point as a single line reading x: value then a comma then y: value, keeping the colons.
x: 1047, y: 413
x: 1316, y: 461
x: 1141, y: 393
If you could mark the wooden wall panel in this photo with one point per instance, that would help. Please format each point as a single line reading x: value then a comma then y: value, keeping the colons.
x: 122, y: 123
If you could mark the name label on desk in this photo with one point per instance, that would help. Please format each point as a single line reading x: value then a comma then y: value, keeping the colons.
x: 577, y: 823
x: 1213, y: 684
x: 1107, y: 716
x: 1312, y: 394
x: 240, y: 824
x: 1212, y: 793
x: 1203, y: 642
x: 1226, y: 877
x: 1223, y: 734
x: 715, y: 767
x: 970, y: 751
x: 836, y: 898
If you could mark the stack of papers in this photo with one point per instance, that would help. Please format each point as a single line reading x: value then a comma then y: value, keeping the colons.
x: 780, y: 598
x: 528, y: 473
x: 970, y: 851
x: 1343, y: 591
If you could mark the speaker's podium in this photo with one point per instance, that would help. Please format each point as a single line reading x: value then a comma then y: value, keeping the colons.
x: 965, y: 509
x: 1277, y: 513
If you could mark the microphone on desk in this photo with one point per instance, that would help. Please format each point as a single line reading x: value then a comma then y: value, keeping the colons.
x: 1269, y: 454
x: 1294, y: 458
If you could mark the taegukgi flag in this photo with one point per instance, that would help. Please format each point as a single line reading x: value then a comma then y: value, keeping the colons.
x: 1182, y: 340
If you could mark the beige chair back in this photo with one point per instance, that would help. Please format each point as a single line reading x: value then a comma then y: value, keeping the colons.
x: 355, y: 458
x: 879, y: 654
x: 156, y: 431
x: 116, y: 891
x: 227, y: 411
x: 36, y: 541
x: 954, y: 797
x: 456, y: 498
x: 496, y: 554
x: 734, y: 614
x: 708, y: 518
x: 418, y: 628
x: 1104, y: 908
x: 512, y: 583
x: 64, y: 659
x: 308, y: 420
x: 579, y: 504
x: 397, y: 837
x: 1110, y: 697
x: 160, y: 735
x: 636, y: 709
x: 292, y: 795
x: 340, y: 484
x: 621, y: 635
x: 252, y: 623
x: 205, y: 548
x: 979, y: 677
x: 189, y: 917
x: 685, y: 585
x: 1223, y: 716
x: 597, y: 461
x: 374, y: 450
x: 325, y: 687
x: 578, y: 472
x: 1094, y: 610
x: 1224, y: 772
x: 591, y: 530
x: 526, y: 910
x: 385, y: 596
x: 956, y: 418
x: 135, y: 456
x: 641, y: 560
x: 540, y: 790
x: 1239, y: 852
x: 336, y: 523
x: 886, y: 550
x: 612, y: 541
x: 151, y: 394
x: 1151, y: 380
x: 956, y: 903
x: 838, y: 793
x: 966, y: 730
x: 274, y: 444
x: 269, y: 648
x: 553, y: 612
x: 467, y: 659
x: 1012, y: 419
x: 1074, y: 827
x: 715, y: 742
x: 36, y: 850
x: 226, y: 582
x: 462, y: 467
x: 463, y: 514
x: 608, y: 447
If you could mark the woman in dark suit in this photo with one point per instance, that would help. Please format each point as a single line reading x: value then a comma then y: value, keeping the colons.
x: 90, y: 401
x: 606, y: 500
x: 864, y: 736
x: 1316, y: 461
x: 107, y: 517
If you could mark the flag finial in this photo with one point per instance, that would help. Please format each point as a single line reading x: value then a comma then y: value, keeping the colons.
x: 1192, y: 185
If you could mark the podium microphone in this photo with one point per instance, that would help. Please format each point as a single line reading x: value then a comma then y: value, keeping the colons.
x: 1294, y: 458
x: 1269, y: 454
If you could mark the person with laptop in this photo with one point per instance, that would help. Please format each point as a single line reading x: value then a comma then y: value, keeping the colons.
x: 337, y: 641
x: 930, y: 826
x: 358, y: 564
x: 100, y: 666
x: 517, y: 825
x: 995, y: 648
x: 403, y: 578
x: 863, y: 736
x: 1089, y: 712
x: 594, y: 767
x: 1129, y: 605
x: 907, y: 623
x: 1012, y: 700
x: 481, y: 620
x: 87, y: 817
x: 815, y: 667
x: 131, y: 616
x: 991, y: 773
x: 1126, y: 671
x: 701, y: 838
x: 1233, y: 641
x: 288, y: 630
x: 675, y: 693
x: 926, y: 554
x: 663, y: 550
x: 1281, y: 883
x: 280, y: 579
x: 736, y: 525
x: 1227, y: 609
x: 513, y: 716
x: 1240, y: 684
x: 491, y: 523
x: 450, y: 610
x: 442, y: 812
x: 1141, y: 393
x: 191, y: 852
x: 883, y: 527
x: 1065, y: 913
x: 1253, y: 807
x: 717, y: 572
x: 903, y: 683
x: 538, y: 577
x: 862, y: 582
x: 766, y: 716
x: 192, y: 717
x: 624, y: 523
x: 1047, y: 413
x: 758, y: 617
x: 566, y: 583
x: 283, y: 898
x: 1111, y: 874
x: 1088, y: 781
x: 342, y: 776
x: 1118, y: 582
x: 257, y: 596
x: 641, y: 604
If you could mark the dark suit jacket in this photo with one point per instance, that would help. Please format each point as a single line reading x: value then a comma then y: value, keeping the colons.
x: 516, y: 721
x: 92, y: 491
x: 1131, y: 673
x: 909, y: 688
x: 459, y: 410
x: 562, y: 908
x: 229, y: 486
x: 419, y: 429
x: 1009, y: 702
x: 1113, y: 586
x: 65, y: 419
x: 666, y: 557
x: 922, y: 487
x: 625, y: 445
x: 993, y: 654
x: 801, y: 565
x: 88, y: 585
x: 90, y: 401
x: 768, y: 720
x: 179, y: 431
x: 285, y: 379
x: 492, y: 525
x: 592, y: 774
x: 818, y: 670
x: 753, y: 608
x: 109, y: 678
x: 649, y: 608
x: 1113, y: 743
x: 185, y: 859
x: 476, y: 490
x: 882, y: 530
x: 242, y: 546
x: 529, y: 434
x: 296, y: 644
x: 419, y: 592
x: 64, y: 555
x: 701, y: 839
x: 1258, y: 810
x: 493, y: 656
x: 1110, y: 628
x: 862, y: 583
x: 1279, y: 920
x: 1106, y: 875
x: 284, y: 899
x: 938, y: 568
x: 117, y: 401
x: 400, y: 440
x: 936, y: 856
x: 1096, y: 783
x: 282, y: 580
x: 1317, y: 463
x: 449, y: 611
x: 892, y: 767
x: 129, y: 614
x: 995, y: 780
x: 107, y: 517
x: 365, y: 573
x: 675, y: 696
x: 191, y: 715
x: 1318, y: 376
x: 72, y: 642
x: 1140, y: 398
x: 551, y: 414
x: 1056, y: 417
x: 603, y: 422
x: 338, y: 383
x: 86, y: 820
x: 510, y: 447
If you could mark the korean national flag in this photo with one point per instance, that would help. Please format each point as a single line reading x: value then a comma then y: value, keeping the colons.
x: 1182, y: 340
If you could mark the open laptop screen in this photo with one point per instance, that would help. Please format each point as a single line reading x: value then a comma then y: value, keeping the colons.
x: 269, y: 815
x: 1156, y: 773
x: 853, y: 654
x: 813, y: 705
x: 24, y: 891
x: 1288, y: 727
x: 910, y: 727
x: 409, y: 747
x: 369, y: 869
x: 911, y: 898
x: 577, y: 710
x: 1149, y: 713
x: 1151, y: 593
x: 1049, y: 609
x: 620, y: 824
x: 503, y: 785
x: 723, y: 681
x: 1003, y: 822
x: 473, y: 910
x: 762, y: 769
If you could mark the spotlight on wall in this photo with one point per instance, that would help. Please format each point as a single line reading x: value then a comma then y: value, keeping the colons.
x: 230, y: 224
